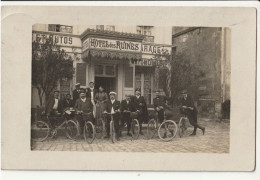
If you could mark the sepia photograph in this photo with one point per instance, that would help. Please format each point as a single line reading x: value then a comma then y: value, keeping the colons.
x: 111, y: 88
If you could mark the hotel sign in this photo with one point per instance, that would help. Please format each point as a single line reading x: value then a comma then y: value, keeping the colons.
x: 109, y: 44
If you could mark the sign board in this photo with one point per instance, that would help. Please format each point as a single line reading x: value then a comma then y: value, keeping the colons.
x: 155, y: 49
x: 110, y: 44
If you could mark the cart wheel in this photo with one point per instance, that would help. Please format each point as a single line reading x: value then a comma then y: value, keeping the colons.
x: 151, y: 129
x: 135, y: 129
x: 167, y: 130
x: 112, y: 132
x: 182, y: 126
x: 72, y: 130
x: 99, y: 128
x: 40, y: 131
x: 89, y: 132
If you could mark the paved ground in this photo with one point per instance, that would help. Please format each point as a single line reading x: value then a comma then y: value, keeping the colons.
x: 215, y: 140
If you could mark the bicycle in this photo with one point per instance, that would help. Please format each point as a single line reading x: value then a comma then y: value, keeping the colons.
x: 112, y: 126
x: 135, y: 128
x: 166, y: 131
x: 89, y: 132
x: 40, y: 130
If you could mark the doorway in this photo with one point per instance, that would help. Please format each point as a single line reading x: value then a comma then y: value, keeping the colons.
x: 108, y: 83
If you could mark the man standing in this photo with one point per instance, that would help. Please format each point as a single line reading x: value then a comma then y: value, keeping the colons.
x: 67, y: 102
x: 190, y: 110
x: 127, y: 106
x: 113, y: 107
x: 54, y: 109
x: 140, y: 105
x: 91, y: 92
x: 159, y: 105
x: 83, y: 105
x: 76, y: 93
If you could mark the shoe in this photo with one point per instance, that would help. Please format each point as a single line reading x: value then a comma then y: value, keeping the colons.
x: 192, y: 134
x: 203, y: 130
x: 128, y: 134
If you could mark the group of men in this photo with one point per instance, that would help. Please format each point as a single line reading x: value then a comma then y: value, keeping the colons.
x: 83, y: 101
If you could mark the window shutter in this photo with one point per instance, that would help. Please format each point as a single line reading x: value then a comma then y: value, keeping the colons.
x: 81, y: 73
x: 129, y: 77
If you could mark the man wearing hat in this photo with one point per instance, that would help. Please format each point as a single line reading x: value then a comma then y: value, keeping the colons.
x: 84, y: 105
x: 113, y: 107
x: 190, y: 110
x: 159, y: 103
x: 126, y: 106
x: 140, y: 105
x: 67, y: 102
x: 76, y: 92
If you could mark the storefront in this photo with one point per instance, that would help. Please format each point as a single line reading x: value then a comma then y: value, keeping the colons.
x: 120, y: 62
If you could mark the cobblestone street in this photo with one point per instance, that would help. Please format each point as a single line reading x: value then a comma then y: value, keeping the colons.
x: 215, y: 140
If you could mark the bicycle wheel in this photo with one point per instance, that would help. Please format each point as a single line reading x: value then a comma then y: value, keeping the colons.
x: 167, y: 130
x: 72, y: 130
x: 182, y: 126
x: 89, y: 132
x: 151, y: 129
x: 135, y: 128
x: 99, y: 128
x: 40, y: 131
x: 112, y: 132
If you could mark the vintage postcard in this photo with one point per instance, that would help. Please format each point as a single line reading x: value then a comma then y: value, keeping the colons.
x: 142, y: 95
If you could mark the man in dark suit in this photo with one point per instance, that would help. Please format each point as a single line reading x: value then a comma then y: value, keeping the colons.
x: 54, y: 109
x: 67, y: 102
x: 126, y: 106
x: 83, y: 106
x: 113, y: 107
x: 159, y: 103
x: 140, y: 105
x: 91, y: 93
x: 75, y: 93
x: 188, y: 108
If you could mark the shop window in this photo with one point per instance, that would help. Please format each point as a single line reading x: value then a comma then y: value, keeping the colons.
x: 129, y: 77
x: 81, y: 73
x: 60, y: 28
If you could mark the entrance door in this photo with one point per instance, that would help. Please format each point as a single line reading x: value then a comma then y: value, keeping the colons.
x: 143, y: 81
x: 108, y: 83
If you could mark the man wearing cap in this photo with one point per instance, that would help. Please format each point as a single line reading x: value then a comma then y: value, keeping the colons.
x: 113, y: 107
x: 127, y: 106
x: 76, y: 92
x: 190, y: 110
x: 140, y: 105
x: 84, y: 105
x: 159, y: 103
x: 91, y: 93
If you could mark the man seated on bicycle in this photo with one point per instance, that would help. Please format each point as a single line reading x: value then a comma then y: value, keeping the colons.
x: 54, y: 109
x: 113, y: 107
x: 127, y: 106
x: 159, y: 103
x: 83, y: 106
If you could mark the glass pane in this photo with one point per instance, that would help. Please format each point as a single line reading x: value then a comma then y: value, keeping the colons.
x: 137, y: 76
x: 129, y: 77
x: 138, y: 84
x: 99, y: 69
x: 147, y: 76
x: 110, y: 70
x: 147, y: 98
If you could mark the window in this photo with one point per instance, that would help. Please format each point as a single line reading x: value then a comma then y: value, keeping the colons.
x: 99, y: 69
x: 110, y: 70
x: 129, y: 77
x: 147, y: 31
x: 60, y: 28
x: 110, y: 28
x: 81, y: 73
x: 105, y: 70
x: 100, y: 27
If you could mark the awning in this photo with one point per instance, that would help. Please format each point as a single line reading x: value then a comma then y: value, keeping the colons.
x: 89, y: 54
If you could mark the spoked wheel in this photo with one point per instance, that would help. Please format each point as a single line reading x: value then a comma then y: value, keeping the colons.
x: 40, y: 131
x: 135, y: 128
x: 72, y: 130
x: 112, y: 132
x: 99, y: 128
x: 89, y: 132
x: 182, y: 126
x: 151, y: 129
x: 167, y: 130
